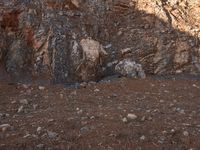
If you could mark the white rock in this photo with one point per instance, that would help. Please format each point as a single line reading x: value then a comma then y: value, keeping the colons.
x: 39, y: 129
x: 132, y: 116
x: 20, y: 109
x: 96, y: 90
x: 124, y: 120
x: 41, y: 87
x: 142, y: 137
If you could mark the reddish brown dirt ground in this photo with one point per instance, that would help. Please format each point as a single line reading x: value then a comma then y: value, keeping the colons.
x: 93, y: 117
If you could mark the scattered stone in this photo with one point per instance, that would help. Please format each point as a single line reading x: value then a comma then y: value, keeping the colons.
x: 35, y: 106
x: 50, y: 120
x: 185, y: 133
x: 83, y: 84
x: 124, y: 120
x: 92, y: 117
x: 150, y: 118
x: 27, y: 135
x: 96, y: 90
x: 114, y: 95
x: 132, y: 116
x: 5, y: 127
x: 84, y: 129
x: 80, y: 111
x: 41, y: 88
x: 142, y: 137
x: 52, y: 135
x: 143, y: 118
x: 39, y: 129
x: 40, y: 146
x: 14, y: 102
x: 23, y: 101
x: 20, y: 109
x: 25, y: 86
x: 125, y: 51
x: 194, y: 85
x: 162, y: 101
x: 61, y: 96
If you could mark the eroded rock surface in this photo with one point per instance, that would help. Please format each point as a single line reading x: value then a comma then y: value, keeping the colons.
x: 55, y: 38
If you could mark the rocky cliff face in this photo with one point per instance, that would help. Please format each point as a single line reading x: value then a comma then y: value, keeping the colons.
x: 78, y: 40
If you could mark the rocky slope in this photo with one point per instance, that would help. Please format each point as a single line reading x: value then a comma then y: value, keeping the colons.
x: 78, y: 40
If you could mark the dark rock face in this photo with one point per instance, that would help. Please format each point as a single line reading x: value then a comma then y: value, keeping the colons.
x: 44, y: 37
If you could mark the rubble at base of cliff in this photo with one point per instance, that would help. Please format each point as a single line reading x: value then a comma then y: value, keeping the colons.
x: 57, y: 38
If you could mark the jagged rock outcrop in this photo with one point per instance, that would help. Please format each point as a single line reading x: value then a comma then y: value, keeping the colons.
x: 51, y: 37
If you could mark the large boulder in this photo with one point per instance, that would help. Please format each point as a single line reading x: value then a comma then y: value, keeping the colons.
x: 90, y: 65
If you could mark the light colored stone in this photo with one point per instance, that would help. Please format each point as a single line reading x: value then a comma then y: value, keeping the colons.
x: 130, y: 68
x: 23, y: 101
x: 132, y: 116
x: 124, y: 120
x: 5, y: 127
x: 185, y: 133
x: 41, y: 88
x: 20, y: 109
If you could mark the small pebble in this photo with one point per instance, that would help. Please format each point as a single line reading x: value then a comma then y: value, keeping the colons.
x: 39, y: 129
x: 142, y: 137
x: 132, y: 116
x: 4, y: 127
x: 52, y: 135
x: 40, y: 146
x: 23, y: 101
x: 41, y: 87
x: 185, y: 133
x: 96, y: 90
x: 20, y: 109
x: 124, y: 120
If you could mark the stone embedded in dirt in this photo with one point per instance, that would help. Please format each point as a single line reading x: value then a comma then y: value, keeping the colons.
x: 61, y: 96
x: 40, y: 146
x: 125, y: 51
x: 50, y: 120
x: 143, y: 118
x: 96, y: 90
x: 84, y: 129
x: 92, y: 117
x: 5, y: 127
x: 23, y: 101
x: 124, y: 120
x: 132, y: 116
x: 52, y: 135
x: 20, y: 109
x: 35, y: 106
x: 39, y: 129
x: 142, y: 137
x: 83, y: 84
x: 130, y: 68
x: 185, y: 133
x: 41, y: 88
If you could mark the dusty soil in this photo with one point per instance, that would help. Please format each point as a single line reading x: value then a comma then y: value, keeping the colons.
x: 95, y: 116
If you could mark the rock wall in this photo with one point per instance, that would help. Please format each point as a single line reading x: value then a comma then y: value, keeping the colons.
x: 78, y: 40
